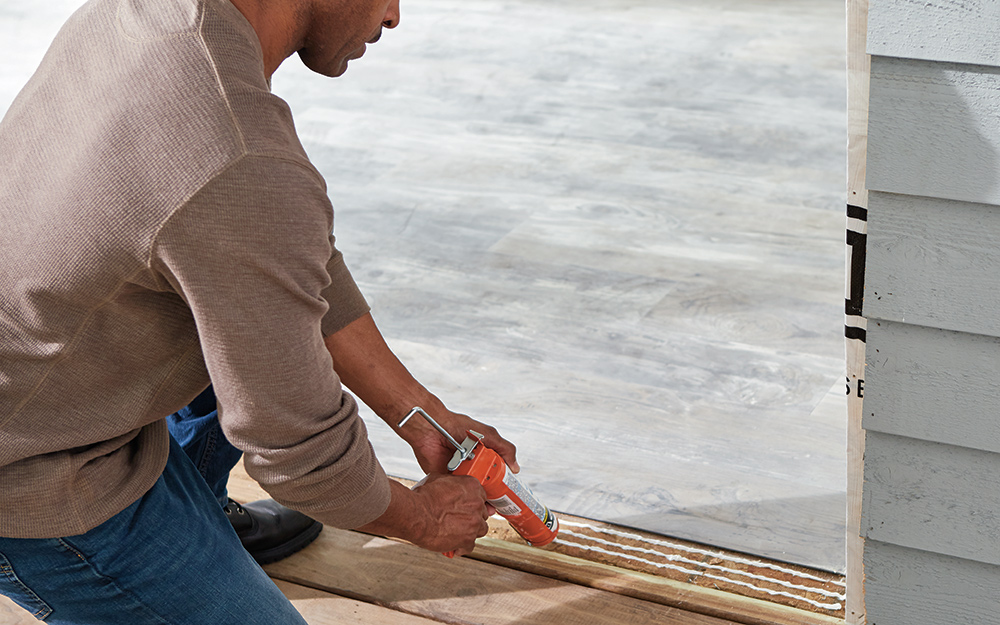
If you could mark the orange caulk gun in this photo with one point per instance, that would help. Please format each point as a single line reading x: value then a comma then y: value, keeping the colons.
x: 514, y: 501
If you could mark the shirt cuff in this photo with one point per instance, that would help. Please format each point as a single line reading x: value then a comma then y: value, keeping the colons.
x: 344, y: 298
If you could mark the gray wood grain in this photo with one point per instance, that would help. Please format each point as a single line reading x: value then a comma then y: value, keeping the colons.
x: 934, y: 263
x: 934, y: 385
x: 957, y: 31
x: 909, y: 587
x: 932, y: 497
x: 933, y: 130
x: 659, y: 459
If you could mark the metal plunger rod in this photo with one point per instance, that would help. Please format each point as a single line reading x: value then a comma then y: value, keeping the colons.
x: 420, y: 411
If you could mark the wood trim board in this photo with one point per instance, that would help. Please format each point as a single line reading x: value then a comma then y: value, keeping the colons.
x: 858, y: 80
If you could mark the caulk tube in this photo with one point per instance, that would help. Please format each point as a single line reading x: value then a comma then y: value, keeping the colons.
x: 513, y: 500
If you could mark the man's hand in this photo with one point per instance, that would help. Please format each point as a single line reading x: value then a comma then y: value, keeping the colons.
x: 443, y: 513
x: 433, y: 451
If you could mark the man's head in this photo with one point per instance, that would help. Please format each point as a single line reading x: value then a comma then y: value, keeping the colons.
x: 326, y: 33
x: 339, y: 31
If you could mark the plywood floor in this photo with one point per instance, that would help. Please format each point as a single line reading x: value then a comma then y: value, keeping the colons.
x: 611, y: 228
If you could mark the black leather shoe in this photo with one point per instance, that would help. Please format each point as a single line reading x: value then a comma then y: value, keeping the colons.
x: 269, y: 530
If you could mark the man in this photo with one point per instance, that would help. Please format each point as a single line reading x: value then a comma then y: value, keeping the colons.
x: 161, y: 229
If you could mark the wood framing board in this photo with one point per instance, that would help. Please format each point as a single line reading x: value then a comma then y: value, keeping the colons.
x: 318, y: 607
x: 740, y: 587
x: 669, y: 572
x: 855, y: 327
x: 461, y: 590
x: 12, y: 614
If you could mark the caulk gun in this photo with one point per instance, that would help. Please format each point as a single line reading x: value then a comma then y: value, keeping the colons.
x: 512, y: 500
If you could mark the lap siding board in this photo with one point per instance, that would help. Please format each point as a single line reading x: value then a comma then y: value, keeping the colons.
x: 931, y: 459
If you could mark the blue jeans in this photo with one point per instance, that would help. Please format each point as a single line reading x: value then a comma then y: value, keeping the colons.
x: 170, y: 558
x: 196, y: 427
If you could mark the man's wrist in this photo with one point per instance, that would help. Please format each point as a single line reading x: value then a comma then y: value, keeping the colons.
x: 403, y: 518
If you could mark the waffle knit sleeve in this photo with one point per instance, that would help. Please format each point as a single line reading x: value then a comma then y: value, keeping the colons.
x: 346, y: 303
x: 252, y: 256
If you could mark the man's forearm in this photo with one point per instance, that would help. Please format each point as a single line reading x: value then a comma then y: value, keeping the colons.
x: 371, y: 371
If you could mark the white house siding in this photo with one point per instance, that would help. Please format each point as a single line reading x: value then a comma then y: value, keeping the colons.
x: 931, y: 497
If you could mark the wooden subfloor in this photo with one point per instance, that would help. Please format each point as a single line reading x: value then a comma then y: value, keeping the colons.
x: 353, y: 578
x: 611, y: 228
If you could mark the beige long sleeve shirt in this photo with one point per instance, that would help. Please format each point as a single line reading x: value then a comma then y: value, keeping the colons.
x: 161, y: 227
